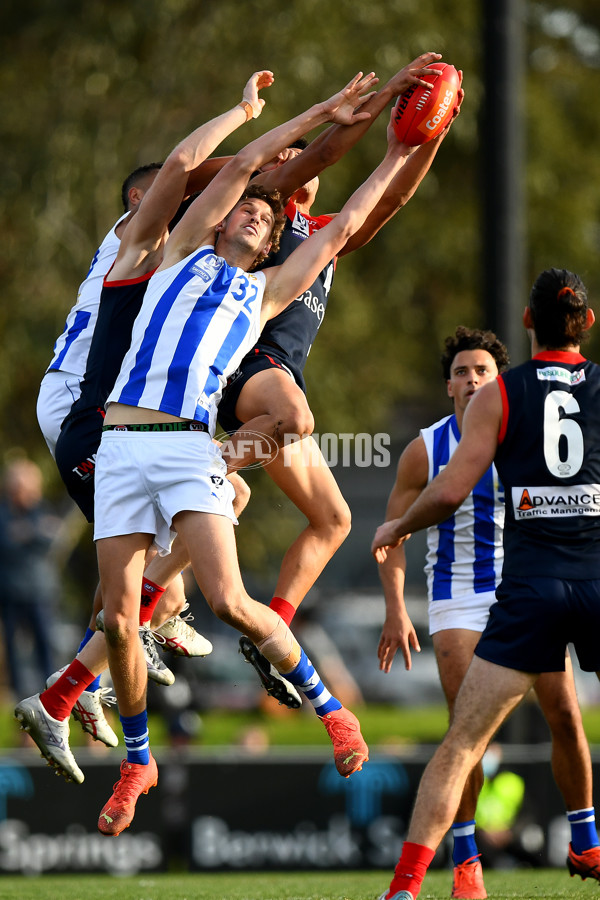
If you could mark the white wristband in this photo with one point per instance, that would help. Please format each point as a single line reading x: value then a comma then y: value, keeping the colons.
x: 253, y: 111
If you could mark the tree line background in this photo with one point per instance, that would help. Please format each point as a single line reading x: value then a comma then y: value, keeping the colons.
x: 89, y: 91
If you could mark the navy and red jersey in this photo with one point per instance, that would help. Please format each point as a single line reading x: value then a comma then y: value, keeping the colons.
x: 294, y: 330
x: 81, y: 431
x: 120, y: 303
x: 548, y: 460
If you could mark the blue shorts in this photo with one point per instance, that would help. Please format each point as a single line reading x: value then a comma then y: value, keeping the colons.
x: 76, y: 450
x: 534, y: 620
x: 259, y: 359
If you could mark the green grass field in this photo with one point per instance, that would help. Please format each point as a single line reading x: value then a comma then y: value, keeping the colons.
x: 382, y: 725
x: 523, y: 884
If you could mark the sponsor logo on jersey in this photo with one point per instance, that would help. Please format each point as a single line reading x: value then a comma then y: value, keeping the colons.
x: 557, y: 373
x: 313, y: 303
x: 553, y: 502
x: 303, y: 226
x: 300, y: 226
x: 525, y: 502
x: 217, y: 480
x: 207, y: 266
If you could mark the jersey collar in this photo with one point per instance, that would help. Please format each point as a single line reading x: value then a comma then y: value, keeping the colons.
x: 564, y: 356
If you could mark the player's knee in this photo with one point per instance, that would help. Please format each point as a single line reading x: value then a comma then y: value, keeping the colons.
x: 342, y: 521
x: 295, y: 421
x: 333, y: 521
x: 565, y: 722
x: 119, y: 628
x: 229, y: 608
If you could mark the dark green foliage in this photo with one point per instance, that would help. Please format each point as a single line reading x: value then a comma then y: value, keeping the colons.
x: 89, y: 91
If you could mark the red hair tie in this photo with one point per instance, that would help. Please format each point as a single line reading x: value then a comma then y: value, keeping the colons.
x: 564, y: 291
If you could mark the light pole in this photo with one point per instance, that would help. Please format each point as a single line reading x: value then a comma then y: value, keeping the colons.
x: 503, y: 172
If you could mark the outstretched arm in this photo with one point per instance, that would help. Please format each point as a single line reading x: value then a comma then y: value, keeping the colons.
x: 221, y: 195
x: 398, y: 632
x: 204, y: 174
x: 403, y: 187
x: 448, y: 490
x: 333, y: 143
x: 298, y: 272
x: 147, y: 230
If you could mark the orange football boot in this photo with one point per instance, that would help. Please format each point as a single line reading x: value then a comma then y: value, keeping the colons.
x: 468, y: 880
x: 349, y: 748
x: 586, y: 864
x: 135, y: 779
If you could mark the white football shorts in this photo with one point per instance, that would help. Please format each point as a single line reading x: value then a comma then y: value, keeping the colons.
x: 58, y: 392
x: 470, y: 611
x: 144, y: 479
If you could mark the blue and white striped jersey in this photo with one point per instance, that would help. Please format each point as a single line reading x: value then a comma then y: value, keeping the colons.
x: 72, y: 347
x: 198, y: 319
x: 465, y: 553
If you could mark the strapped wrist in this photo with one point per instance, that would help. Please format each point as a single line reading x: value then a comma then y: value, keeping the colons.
x: 252, y: 110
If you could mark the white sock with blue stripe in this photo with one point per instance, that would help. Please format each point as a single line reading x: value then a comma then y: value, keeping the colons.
x: 306, y: 678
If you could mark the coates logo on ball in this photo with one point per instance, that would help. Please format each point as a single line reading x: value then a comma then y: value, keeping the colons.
x: 420, y: 114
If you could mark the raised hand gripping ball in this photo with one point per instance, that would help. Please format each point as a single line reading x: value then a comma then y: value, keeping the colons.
x: 421, y: 113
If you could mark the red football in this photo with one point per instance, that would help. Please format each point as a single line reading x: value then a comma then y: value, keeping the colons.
x: 421, y: 113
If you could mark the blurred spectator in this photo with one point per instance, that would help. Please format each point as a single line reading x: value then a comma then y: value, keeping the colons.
x: 28, y: 573
x: 254, y: 740
x: 505, y: 836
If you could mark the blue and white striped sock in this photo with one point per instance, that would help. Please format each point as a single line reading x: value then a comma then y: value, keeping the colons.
x: 464, y: 842
x: 95, y: 684
x: 583, y: 829
x: 306, y: 679
x: 135, y: 732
